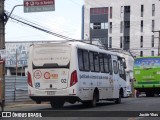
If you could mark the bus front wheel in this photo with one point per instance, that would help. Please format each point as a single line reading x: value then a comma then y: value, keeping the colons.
x: 94, y: 101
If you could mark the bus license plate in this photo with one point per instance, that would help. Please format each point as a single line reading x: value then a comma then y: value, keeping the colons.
x: 50, y: 93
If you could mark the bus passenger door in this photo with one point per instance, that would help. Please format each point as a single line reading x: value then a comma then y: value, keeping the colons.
x: 115, y: 77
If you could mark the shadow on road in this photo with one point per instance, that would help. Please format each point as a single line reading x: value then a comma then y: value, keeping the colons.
x: 80, y: 106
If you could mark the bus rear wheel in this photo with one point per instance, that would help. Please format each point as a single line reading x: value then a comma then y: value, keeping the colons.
x: 93, y: 102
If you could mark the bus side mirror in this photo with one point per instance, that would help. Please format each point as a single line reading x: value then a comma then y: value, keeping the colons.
x: 125, y: 66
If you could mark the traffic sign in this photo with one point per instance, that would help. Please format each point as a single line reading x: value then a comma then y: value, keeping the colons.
x: 39, y: 5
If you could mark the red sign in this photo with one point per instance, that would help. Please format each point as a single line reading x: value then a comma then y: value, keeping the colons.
x: 37, y: 74
x: 47, y: 75
x: 29, y: 3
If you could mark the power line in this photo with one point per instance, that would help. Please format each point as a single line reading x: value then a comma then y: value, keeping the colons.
x: 53, y: 22
x: 41, y: 29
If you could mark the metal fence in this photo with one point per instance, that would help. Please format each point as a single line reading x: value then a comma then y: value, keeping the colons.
x: 16, y: 89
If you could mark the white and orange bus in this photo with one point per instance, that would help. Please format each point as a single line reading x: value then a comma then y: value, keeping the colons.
x: 72, y: 71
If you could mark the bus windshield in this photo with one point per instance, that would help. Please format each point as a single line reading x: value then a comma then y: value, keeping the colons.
x: 51, y: 57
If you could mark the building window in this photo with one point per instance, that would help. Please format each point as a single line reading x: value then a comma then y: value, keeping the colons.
x: 121, y: 27
x: 91, y: 25
x: 127, y: 24
x: 126, y: 39
x: 99, y: 25
x: 153, y: 25
x: 153, y: 9
x: 141, y: 53
x: 141, y: 25
x: 142, y: 9
x: 152, y: 53
x: 122, y: 9
x: 105, y: 10
x: 152, y: 41
x: 141, y: 43
x: 110, y: 27
x: 127, y: 9
x: 110, y: 12
x: 96, y: 25
x: 98, y: 11
x: 104, y: 25
x: 110, y: 42
x: 121, y: 42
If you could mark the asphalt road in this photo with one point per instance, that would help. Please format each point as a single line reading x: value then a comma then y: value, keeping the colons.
x: 129, y: 109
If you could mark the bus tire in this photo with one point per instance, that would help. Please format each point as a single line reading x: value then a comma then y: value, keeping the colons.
x: 93, y: 102
x: 95, y: 99
x: 57, y: 104
x: 118, y: 100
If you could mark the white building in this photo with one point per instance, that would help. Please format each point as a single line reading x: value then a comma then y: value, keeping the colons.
x: 124, y: 24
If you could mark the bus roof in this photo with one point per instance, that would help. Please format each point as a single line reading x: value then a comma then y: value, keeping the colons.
x: 80, y: 44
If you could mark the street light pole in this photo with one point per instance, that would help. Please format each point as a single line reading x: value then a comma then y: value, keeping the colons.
x: 12, y: 12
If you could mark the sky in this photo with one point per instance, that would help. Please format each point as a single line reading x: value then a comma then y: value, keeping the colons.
x: 65, y: 20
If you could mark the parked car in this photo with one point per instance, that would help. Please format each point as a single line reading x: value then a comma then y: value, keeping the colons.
x: 129, y: 93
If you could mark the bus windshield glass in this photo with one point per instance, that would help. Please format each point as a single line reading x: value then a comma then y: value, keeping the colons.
x: 51, y: 57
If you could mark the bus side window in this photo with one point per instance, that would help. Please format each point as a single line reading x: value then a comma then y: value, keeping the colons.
x: 120, y: 70
x: 123, y: 71
x: 96, y: 61
x: 106, y: 64
x: 80, y: 59
x: 91, y: 61
x: 101, y: 62
x: 86, y: 60
x: 110, y: 64
x: 115, y: 66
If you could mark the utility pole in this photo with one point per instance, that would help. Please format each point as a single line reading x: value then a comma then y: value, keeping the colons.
x: 158, y: 42
x: 2, y: 47
x: 90, y: 35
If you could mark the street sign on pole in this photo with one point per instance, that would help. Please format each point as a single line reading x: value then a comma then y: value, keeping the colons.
x: 39, y: 5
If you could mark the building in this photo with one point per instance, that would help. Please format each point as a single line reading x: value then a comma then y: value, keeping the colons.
x: 124, y: 24
x: 16, y: 56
